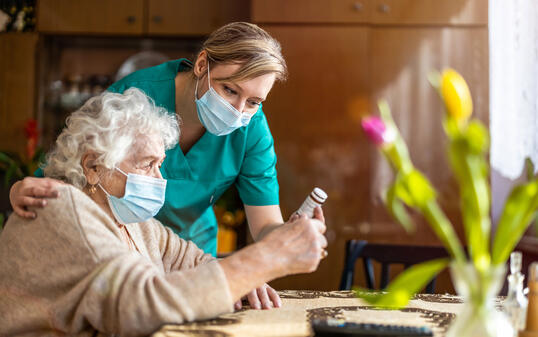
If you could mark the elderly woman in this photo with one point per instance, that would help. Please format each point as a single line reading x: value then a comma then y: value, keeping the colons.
x: 95, y: 261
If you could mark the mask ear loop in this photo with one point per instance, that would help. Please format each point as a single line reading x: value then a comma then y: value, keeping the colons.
x: 102, y: 188
x: 125, y: 174
x: 208, y: 82
x: 116, y: 168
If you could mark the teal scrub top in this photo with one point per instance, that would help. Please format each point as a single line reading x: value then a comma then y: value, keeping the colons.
x: 197, y: 179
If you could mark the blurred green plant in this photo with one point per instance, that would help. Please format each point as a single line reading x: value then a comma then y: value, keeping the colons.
x: 530, y: 168
x: 14, y: 166
x: 467, y: 152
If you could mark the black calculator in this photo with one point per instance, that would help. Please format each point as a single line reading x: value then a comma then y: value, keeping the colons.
x: 333, y: 327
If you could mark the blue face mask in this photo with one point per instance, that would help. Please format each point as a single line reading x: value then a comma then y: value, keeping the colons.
x: 144, y: 197
x: 217, y: 115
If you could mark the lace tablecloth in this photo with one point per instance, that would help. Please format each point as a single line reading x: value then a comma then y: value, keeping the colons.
x: 300, y: 307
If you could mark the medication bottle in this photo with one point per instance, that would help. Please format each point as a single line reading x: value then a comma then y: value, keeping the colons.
x: 515, y: 305
x: 316, y: 198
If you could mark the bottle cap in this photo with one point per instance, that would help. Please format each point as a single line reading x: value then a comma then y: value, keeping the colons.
x: 319, y: 195
x: 515, y: 262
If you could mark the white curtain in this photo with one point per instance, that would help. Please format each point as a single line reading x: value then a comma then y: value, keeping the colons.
x: 513, y: 37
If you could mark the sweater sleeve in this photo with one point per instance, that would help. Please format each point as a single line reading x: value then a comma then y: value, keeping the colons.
x: 177, y: 253
x: 125, y: 293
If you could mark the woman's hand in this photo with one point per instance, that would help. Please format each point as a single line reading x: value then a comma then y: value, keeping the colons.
x: 294, y: 247
x: 318, y: 214
x: 32, y: 192
x: 299, y: 243
x: 264, y: 297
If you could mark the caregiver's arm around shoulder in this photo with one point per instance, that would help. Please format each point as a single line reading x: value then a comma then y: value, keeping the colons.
x: 32, y: 192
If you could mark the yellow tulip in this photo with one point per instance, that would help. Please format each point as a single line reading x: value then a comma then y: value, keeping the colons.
x: 456, y: 95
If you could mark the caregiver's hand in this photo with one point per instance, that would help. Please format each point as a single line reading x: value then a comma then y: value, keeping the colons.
x: 264, y: 297
x: 32, y: 192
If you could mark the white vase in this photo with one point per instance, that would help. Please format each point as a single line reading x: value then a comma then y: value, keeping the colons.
x: 479, y: 317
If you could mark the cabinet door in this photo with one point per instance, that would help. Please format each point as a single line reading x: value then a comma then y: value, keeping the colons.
x: 430, y: 12
x: 17, y: 88
x: 311, y: 11
x: 315, y: 120
x: 91, y: 16
x: 401, y: 59
x: 201, y: 17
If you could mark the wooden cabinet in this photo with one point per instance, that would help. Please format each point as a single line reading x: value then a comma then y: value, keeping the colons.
x: 18, y: 54
x: 338, y: 72
x: 398, y: 12
x: 311, y: 11
x: 91, y: 16
x: 428, y: 12
x: 139, y: 17
x: 201, y: 17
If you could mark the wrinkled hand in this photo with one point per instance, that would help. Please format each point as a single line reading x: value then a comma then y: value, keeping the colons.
x: 32, y: 192
x: 298, y: 244
x: 263, y: 297
x: 318, y: 214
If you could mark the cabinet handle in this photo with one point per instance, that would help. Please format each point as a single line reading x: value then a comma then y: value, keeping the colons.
x: 131, y: 19
x: 358, y: 6
x: 384, y: 8
x: 157, y: 19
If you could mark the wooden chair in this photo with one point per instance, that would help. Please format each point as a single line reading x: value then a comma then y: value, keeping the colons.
x: 386, y: 254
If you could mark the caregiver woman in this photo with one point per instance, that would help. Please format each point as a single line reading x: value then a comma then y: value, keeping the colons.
x: 225, y: 138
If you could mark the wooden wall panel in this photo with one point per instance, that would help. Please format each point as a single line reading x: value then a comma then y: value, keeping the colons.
x: 314, y: 118
x: 18, y: 54
x: 416, y: 106
x: 337, y: 74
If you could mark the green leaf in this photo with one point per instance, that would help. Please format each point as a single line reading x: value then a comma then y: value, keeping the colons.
x: 468, y: 162
x: 5, y: 158
x: 529, y: 168
x: 396, y: 152
x: 397, y: 210
x: 519, y: 210
x: 405, y: 285
x: 12, y: 169
x: 477, y: 137
x: 451, y: 126
x: 419, y: 188
x: 444, y: 230
x: 1, y: 221
x: 413, y: 189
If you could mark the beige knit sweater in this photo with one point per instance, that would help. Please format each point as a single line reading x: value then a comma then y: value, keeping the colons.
x: 68, y: 272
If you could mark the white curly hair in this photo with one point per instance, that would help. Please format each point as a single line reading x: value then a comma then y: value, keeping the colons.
x: 108, y: 125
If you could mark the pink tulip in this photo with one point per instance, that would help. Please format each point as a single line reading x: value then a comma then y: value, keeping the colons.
x: 376, y: 130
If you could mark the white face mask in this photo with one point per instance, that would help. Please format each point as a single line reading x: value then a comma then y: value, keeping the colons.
x: 216, y: 114
x: 143, y: 198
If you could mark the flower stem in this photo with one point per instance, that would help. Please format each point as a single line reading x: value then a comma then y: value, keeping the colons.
x: 444, y: 230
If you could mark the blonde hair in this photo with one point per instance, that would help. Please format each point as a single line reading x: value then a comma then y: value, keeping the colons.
x: 246, y: 44
x: 108, y: 125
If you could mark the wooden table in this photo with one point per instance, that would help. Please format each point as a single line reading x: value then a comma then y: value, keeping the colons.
x: 300, y: 307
